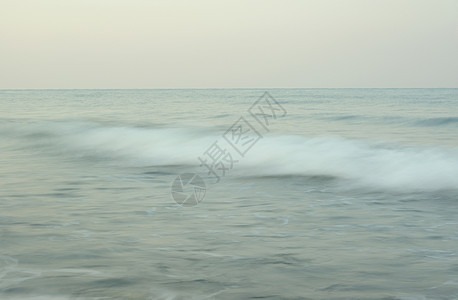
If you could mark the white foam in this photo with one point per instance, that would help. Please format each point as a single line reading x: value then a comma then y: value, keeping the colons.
x: 361, y: 163
x: 370, y: 165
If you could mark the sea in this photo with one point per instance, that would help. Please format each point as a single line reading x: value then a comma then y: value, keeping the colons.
x: 229, y: 194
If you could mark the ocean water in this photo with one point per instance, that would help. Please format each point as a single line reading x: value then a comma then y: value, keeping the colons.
x: 330, y: 194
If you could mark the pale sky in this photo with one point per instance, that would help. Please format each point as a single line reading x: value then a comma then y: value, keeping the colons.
x: 228, y: 44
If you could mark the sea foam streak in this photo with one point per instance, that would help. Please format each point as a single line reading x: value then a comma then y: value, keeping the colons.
x: 365, y: 164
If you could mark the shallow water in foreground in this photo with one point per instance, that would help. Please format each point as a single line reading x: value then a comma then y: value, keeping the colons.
x: 351, y: 195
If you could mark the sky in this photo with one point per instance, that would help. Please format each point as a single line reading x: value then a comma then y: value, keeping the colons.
x: 53, y: 44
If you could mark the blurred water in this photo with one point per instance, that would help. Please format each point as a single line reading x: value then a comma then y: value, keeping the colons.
x: 351, y: 195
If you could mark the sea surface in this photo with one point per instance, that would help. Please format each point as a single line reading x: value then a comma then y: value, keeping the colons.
x: 308, y: 194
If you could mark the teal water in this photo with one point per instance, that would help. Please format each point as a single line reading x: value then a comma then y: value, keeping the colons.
x: 352, y: 194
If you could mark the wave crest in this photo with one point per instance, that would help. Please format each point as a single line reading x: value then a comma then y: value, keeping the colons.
x: 356, y: 162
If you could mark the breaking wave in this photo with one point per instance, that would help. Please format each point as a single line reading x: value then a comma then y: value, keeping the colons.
x: 363, y: 163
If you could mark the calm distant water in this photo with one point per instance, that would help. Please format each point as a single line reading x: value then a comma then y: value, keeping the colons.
x: 353, y: 194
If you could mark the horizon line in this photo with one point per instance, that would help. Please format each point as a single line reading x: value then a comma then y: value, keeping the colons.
x: 221, y: 88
